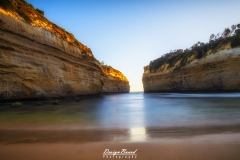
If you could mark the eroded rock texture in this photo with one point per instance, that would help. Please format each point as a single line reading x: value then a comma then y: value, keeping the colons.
x: 215, y: 72
x: 115, y: 81
x: 37, y: 63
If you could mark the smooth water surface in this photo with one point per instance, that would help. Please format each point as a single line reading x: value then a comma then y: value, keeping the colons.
x: 132, y: 110
x: 165, y: 110
x: 131, y: 117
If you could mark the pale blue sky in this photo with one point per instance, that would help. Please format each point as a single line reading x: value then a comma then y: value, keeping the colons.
x: 128, y: 34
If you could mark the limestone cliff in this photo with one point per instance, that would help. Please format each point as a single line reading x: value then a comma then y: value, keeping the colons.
x: 38, y: 59
x: 115, y: 81
x: 207, y: 67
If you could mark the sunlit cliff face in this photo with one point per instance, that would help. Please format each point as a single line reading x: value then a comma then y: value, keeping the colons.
x: 21, y: 10
x: 109, y: 71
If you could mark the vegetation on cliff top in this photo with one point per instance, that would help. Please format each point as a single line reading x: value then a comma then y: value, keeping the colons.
x: 197, y: 51
x: 17, y: 6
x: 35, y: 17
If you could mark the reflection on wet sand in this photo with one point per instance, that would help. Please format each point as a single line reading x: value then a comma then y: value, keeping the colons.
x: 135, y: 134
x: 133, y: 117
x: 196, y: 122
x: 138, y: 134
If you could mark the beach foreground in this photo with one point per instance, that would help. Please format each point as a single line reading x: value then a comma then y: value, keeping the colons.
x: 154, y: 126
x: 224, y: 146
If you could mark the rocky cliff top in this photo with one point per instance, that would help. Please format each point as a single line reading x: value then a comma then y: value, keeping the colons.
x: 175, y: 60
x: 21, y: 10
x: 109, y: 71
x: 205, y: 67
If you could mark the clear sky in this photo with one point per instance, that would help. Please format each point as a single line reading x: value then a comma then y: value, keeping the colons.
x: 128, y: 34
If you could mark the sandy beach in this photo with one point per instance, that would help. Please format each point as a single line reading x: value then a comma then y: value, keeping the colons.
x: 90, y: 145
x: 220, y: 147
x: 145, y: 127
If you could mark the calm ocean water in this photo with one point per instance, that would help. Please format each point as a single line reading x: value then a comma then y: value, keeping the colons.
x: 164, y: 110
x: 137, y: 116
x: 133, y: 110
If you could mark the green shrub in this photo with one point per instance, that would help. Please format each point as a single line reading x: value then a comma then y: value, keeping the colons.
x: 24, y: 16
x: 171, y: 61
x: 16, y: 7
x: 40, y: 11
x: 235, y: 42
x: 199, y: 51
x: 6, y: 4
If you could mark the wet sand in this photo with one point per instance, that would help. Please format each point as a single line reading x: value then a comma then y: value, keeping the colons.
x: 219, y: 143
x: 208, y: 147
x: 181, y: 130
